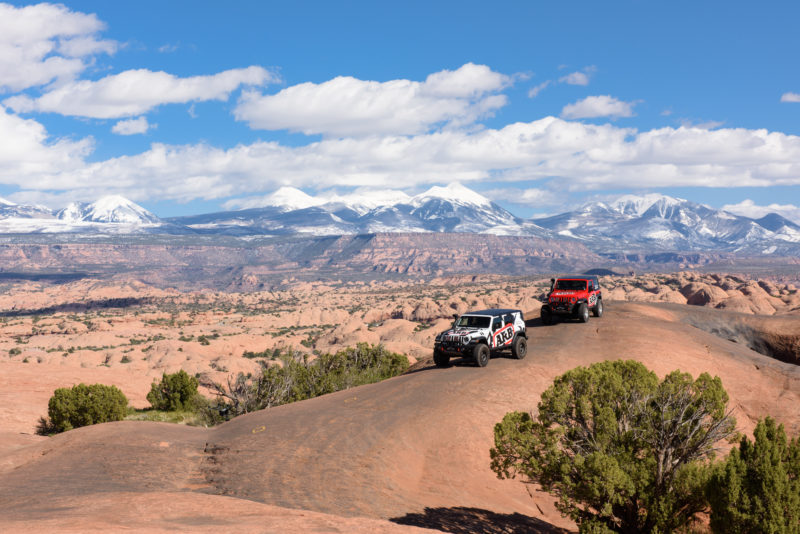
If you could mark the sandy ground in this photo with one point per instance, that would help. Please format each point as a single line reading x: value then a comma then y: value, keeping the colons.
x: 413, y: 449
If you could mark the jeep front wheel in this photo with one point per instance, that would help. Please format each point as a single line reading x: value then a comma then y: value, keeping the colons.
x: 440, y: 358
x: 583, y: 313
x: 481, y: 354
x: 547, y: 317
x: 598, y: 309
x: 520, y: 348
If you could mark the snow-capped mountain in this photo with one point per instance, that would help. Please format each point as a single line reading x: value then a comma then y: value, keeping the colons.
x: 108, y: 215
x: 108, y: 209
x: 647, y: 223
x: 10, y: 209
x: 454, y: 208
x: 660, y: 222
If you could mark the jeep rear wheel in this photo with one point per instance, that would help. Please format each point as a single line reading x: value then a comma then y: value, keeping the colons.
x: 481, y: 354
x: 547, y: 317
x: 583, y: 313
x: 598, y: 309
x: 520, y: 347
x: 440, y: 358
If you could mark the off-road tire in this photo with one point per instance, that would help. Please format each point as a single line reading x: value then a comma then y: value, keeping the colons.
x: 519, y: 348
x: 441, y: 359
x: 547, y: 317
x: 583, y: 312
x: 481, y: 354
x: 598, y: 308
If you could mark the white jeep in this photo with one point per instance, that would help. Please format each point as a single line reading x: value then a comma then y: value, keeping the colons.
x: 480, y: 334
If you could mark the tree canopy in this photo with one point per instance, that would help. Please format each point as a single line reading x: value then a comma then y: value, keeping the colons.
x: 620, y: 450
x: 757, y: 489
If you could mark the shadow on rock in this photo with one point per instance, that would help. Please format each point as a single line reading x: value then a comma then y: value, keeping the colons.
x: 462, y: 520
x: 81, y: 307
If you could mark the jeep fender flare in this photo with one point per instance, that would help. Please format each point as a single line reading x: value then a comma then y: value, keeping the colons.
x: 477, y: 340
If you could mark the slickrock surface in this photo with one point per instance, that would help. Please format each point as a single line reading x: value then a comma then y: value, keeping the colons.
x: 728, y: 292
x: 414, y: 448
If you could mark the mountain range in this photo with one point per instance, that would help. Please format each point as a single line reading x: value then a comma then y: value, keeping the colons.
x: 652, y: 222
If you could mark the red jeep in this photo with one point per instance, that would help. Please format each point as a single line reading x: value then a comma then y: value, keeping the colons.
x: 573, y: 296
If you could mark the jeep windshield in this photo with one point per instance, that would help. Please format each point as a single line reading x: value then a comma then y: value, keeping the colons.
x: 473, y: 321
x: 571, y: 285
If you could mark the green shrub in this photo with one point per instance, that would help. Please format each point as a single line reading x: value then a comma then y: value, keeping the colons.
x: 174, y: 392
x: 83, y: 405
x: 621, y: 451
x: 757, y: 488
x: 298, y: 378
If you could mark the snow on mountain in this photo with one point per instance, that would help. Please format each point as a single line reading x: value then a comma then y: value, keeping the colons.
x: 10, y: 209
x: 650, y: 222
x: 454, y: 192
x: 639, y: 205
x: 363, y: 202
x: 660, y: 222
x: 454, y: 208
x: 108, y: 209
x: 291, y: 198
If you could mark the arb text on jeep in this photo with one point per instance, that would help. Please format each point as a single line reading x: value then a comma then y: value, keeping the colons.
x: 478, y: 335
x: 573, y: 296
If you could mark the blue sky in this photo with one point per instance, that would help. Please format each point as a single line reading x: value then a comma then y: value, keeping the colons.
x: 189, y: 107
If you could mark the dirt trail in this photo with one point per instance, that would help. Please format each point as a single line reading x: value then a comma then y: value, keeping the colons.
x: 414, y: 448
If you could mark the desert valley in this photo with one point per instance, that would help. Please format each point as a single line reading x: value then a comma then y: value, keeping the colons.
x: 410, y: 452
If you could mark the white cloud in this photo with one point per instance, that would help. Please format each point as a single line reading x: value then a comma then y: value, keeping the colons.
x: 135, y: 126
x: 748, y: 208
x: 45, y: 42
x: 346, y: 106
x: 598, y: 106
x: 28, y: 158
x: 705, y: 125
x: 579, y: 77
x: 135, y: 92
x: 575, y: 78
x: 531, y: 197
x: 168, y: 48
x: 534, y: 91
x: 790, y: 97
x: 582, y: 156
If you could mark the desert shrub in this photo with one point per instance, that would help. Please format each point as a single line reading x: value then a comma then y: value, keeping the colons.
x: 757, y: 488
x: 621, y: 451
x: 197, y: 412
x: 83, y: 405
x: 298, y: 378
x: 174, y: 392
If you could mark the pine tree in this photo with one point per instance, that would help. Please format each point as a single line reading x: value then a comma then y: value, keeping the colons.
x: 757, y: 489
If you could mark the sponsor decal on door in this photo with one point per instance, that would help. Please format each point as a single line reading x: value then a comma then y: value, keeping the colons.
x: 504, y: 336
